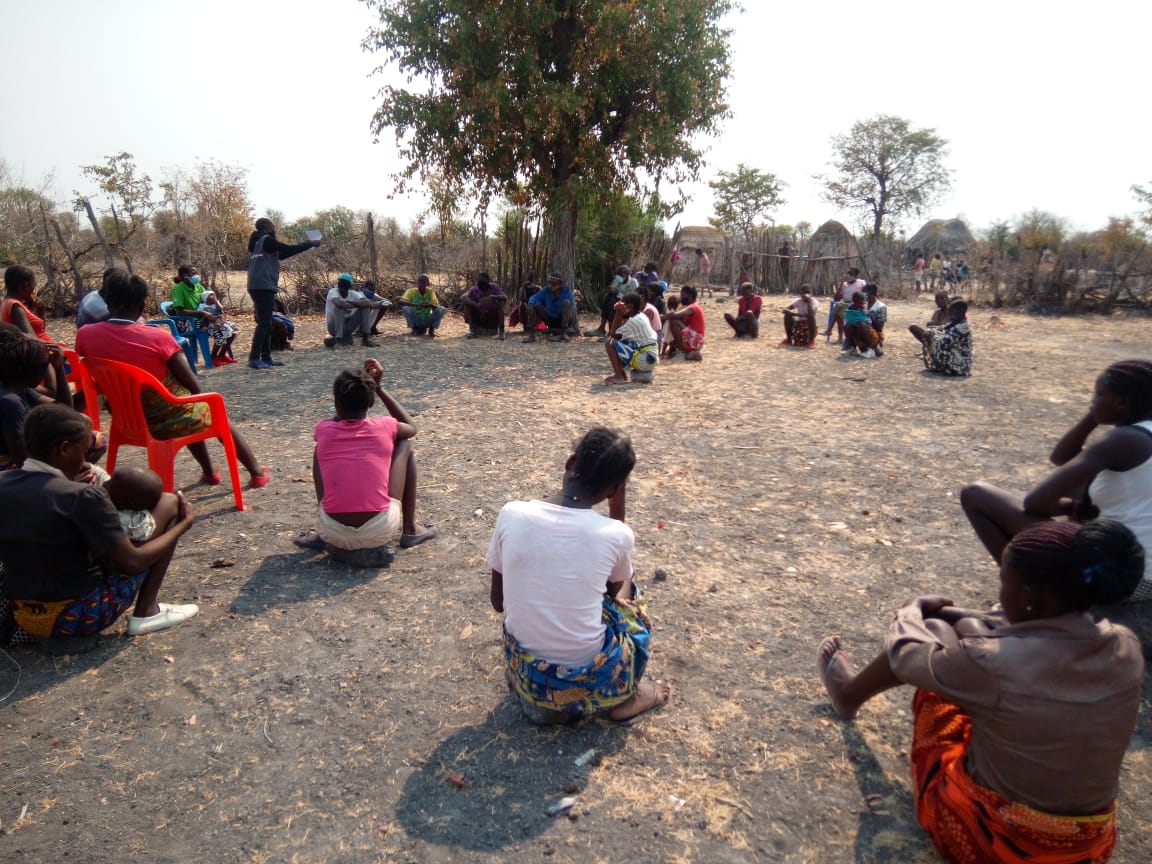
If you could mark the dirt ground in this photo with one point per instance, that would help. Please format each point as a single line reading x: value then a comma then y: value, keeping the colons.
x: 315, y: 713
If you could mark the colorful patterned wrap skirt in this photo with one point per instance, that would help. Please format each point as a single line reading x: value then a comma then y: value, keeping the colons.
x: 171, y: 421
x: 971, y: 824
x: 610, y: 679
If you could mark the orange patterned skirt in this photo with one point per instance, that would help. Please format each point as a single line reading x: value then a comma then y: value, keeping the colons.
x: 971, y: 824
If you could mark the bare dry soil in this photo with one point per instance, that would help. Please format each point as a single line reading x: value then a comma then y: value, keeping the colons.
x: 316, y: 713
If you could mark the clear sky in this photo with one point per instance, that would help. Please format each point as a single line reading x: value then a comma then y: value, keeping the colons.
x: 1044, y: 105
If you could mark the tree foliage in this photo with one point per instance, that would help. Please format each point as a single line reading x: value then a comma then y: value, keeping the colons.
x: 127, y: 197
x: 887, y: 169
x: 1144, y: 196
x: 552, y: 104
x: 744, y: 197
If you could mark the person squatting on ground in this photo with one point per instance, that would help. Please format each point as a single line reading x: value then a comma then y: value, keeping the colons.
x: 877, y: 314
x: 947, y: 349
x: 347, y: 313
x: 422, y: 309
x: 69, y: 569
x: 632, y: 344
x: 1111, y: 478
x: 576, y: 630
x: 746, y: 321
x: 265, y: 253
x: 124, y: 339
x: 800, y: 319
x: 841, y: 302
x: 364, y: 470
x: 1022, y: 715
x: 858, y: 333
x: 622, y: 283
x: 483, y: 307
x: 555, y: 306
x: 685, y: 326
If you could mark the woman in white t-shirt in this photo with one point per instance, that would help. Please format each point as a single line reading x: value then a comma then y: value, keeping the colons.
x: 575, y: 629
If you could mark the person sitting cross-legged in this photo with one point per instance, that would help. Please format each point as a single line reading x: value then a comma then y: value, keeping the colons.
x: 1022, y: 715
x: 422, y: 309
x: 576, y: 631
x: 746, y: 321
x: 364, y: 470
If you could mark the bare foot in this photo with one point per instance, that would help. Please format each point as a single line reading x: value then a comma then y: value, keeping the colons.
x: 648, y: 696
x: 612, y: 379
x: 836, y: 672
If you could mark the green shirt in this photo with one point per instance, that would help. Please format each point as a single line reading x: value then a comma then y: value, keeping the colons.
x: 185, y: 296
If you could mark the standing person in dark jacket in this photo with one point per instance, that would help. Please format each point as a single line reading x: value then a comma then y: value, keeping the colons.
x: 265, y: 254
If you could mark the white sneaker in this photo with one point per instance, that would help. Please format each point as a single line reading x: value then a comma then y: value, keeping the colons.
x: 869, y: 354
x: 168, y: 616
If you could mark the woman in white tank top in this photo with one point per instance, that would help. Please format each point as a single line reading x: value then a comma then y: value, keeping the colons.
x: 1109, y: 478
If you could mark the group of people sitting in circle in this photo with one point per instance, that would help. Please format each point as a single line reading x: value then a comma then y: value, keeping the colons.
x: 859, y: 316
x: 1022, y: 713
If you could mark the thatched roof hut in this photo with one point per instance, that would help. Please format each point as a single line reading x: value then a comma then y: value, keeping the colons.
x: 832, y: 240
x: 941, y: 235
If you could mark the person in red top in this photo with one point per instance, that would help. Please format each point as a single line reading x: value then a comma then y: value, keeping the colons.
x: 20, y: 300
x: 686, y: 326
x: 154, y: 350
x: 746, y: 322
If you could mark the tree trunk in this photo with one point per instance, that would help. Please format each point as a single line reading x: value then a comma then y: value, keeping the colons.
x: 372, y: 248
x: 109, y: 261
x: 75, y: 267
x: 563, y: 219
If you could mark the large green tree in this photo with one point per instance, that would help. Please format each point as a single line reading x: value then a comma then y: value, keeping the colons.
x: 887, y: 169
x: 552, y: 103
x: 743, y: 197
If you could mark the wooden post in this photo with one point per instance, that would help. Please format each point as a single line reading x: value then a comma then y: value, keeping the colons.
x: 371, y: 224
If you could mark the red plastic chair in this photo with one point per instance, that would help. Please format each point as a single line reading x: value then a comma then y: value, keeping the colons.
x: 121, y: 385
x: 78, y: 375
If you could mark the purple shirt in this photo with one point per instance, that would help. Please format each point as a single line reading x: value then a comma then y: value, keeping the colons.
x: 477, y: 294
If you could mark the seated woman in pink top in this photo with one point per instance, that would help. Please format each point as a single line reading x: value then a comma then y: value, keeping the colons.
x: 365, y: 474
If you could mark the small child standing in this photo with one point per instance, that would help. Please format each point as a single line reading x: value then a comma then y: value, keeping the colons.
x: 632, y: 343
x: 222, y: 331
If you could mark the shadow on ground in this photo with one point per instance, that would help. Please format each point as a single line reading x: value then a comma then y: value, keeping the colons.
x: 488, y: 787
x: 296, y: 577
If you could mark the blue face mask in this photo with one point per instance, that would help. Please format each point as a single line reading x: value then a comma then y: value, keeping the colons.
x: 195, y: 280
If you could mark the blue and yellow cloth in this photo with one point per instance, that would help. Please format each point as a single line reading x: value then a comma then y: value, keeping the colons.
x: 609, y: 680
